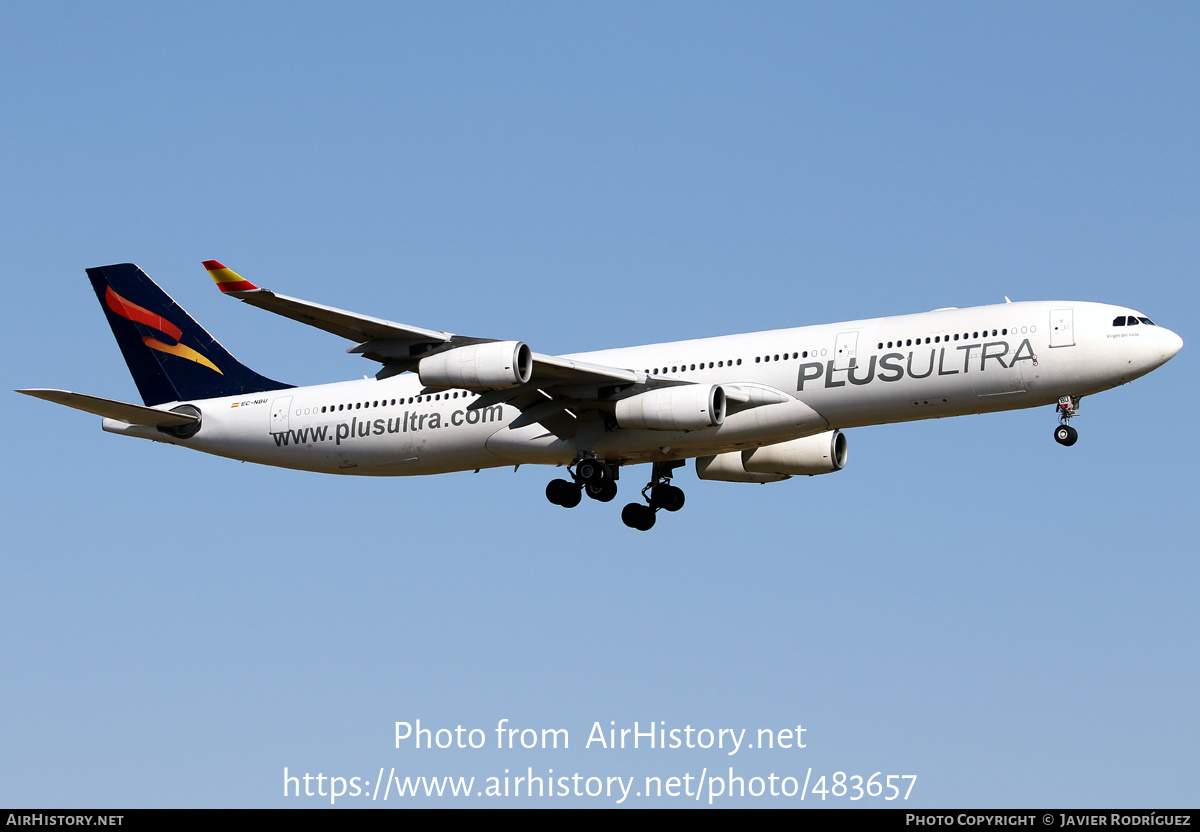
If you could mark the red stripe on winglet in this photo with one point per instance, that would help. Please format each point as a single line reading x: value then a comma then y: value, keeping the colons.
x: 212, y: 265
x: 237, y: 286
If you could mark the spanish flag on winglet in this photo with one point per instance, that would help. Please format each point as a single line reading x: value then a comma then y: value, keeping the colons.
x: 228, y: 280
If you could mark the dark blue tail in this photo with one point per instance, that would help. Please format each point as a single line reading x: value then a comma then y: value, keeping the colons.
x: 170, y: 356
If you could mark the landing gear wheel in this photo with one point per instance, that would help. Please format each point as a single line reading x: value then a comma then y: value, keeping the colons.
x: 638, y: 516
x: 563, y: 493
x: 666, y: 496
x: 1065, y: 435
x: 604, y: 492
x: 592, y: 471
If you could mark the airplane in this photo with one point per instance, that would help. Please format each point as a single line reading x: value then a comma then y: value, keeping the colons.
x: 754, y: 408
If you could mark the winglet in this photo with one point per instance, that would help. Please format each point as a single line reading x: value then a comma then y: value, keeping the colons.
x: 228, y: 280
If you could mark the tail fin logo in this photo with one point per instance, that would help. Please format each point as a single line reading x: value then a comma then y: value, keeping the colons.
x: 138, y: 314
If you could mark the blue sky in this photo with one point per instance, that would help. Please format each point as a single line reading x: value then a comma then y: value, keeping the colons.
x: 1011, y: 621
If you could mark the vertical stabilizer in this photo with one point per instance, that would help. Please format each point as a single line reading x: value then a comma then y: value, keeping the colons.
x: 170, y: 356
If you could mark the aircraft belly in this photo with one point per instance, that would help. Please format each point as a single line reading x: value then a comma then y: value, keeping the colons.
x: 457, y: 448
x: 531, y: 444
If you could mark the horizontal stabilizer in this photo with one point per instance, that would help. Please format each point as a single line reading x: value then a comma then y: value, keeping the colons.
x: 133, y: 414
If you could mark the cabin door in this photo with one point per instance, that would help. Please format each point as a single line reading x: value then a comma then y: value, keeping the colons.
x: 281, y: 409
x: 845, y: 350
x: 1062, y: 327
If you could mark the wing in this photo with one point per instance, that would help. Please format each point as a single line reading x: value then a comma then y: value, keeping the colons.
x: 361, y: 328
x: 555, y: 388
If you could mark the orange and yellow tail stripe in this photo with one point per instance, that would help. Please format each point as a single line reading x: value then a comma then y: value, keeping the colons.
x: 228, y: 280
x: 139, y: 314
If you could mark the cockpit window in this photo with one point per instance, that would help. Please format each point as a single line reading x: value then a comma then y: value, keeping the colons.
x: 1121, y: 320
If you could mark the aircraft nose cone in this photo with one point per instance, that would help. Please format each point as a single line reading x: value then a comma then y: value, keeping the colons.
x: 1170, y: 343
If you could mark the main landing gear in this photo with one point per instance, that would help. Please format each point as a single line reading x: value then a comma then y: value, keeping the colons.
x: 591, y: 476
x: 564, y: 493
x: 1064, y: 434
x: 598, y: 479
x: 658, y: 493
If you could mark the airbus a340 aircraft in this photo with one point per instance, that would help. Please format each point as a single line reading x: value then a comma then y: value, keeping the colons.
x: 756, y: 408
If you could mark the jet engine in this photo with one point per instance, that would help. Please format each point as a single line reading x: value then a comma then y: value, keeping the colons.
x: 495, y: 365
x: 728, y: 468
x: 823, y: 453
x: 684, y: 407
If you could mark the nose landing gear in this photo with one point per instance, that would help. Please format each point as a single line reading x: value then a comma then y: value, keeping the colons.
x: 1064, y: 434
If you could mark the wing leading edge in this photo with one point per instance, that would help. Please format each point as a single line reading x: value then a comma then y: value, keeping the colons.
x: 554, y: 387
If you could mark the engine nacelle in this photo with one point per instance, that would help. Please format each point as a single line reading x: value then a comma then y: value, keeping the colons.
x: 684, y: 407
x: 823, y: 453
x: 491, y: 366
x: 728, y: 468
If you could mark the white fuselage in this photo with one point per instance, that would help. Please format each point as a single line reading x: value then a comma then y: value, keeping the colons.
x: 948, y: 362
